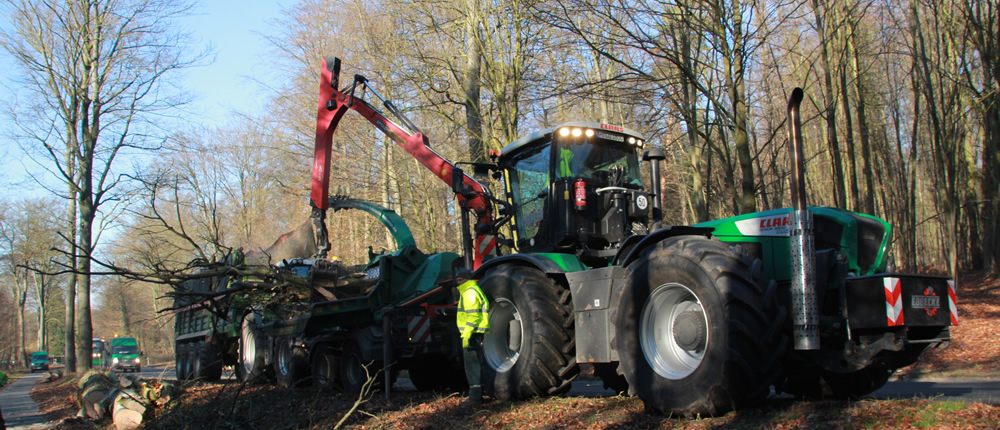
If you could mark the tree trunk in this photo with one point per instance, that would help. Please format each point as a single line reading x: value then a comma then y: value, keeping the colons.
x: 833, y: 145
x: 84, y: 327
x: 866, y: 152
x: 735, y: 72
x: 123, y: 311
x: 22, y: 297
x: 852, y: 164
x: 70, y: 321
x: 42, y: 340
x: 472, y: 85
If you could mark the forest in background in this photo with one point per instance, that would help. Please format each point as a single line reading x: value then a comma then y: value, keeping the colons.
x: 900, y: 121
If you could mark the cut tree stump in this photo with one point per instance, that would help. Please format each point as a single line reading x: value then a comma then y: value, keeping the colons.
x: 128, y: 412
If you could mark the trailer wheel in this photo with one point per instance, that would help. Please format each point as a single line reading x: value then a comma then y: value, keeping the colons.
x: 181, y: 362
x: 194, y: 364
x: 252, y: 351
x: 208, y: 360
x: 530, y: 349
x: 324, y: 368
x: 354, y: 371
x: 291, y: 365
x: 693, y: 333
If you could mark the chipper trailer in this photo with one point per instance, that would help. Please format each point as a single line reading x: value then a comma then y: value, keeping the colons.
x: 338, y: 327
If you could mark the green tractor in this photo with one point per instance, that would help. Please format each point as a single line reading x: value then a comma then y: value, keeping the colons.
x: 695, y: 320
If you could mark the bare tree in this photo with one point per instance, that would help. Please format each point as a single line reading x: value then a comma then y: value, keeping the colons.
x: 94, y: 75
x: 27, y: 230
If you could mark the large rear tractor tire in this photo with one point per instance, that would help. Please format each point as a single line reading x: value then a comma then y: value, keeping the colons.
x: 696, y: 333
x: 291, y: 366
x: 252, y: 352
x: 530, y: 349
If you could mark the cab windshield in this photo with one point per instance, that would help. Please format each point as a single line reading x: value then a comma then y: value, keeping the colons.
x: 600, y: 160
x: 124, y: 349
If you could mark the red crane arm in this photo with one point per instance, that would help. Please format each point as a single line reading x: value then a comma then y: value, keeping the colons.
x: 333, y: 104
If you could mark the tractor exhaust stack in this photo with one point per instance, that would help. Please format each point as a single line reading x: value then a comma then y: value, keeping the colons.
x: 805, y: 316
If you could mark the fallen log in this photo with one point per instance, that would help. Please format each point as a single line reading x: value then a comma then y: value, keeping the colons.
x: 129, y: 410
x: 95, y: 387
x: 52, y: 375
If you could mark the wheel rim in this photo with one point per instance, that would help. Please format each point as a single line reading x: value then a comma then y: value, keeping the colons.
x: 249, y: 342
x: 354, y: 371
x: 673, y: 331
x: 283, y: 358
x: 496, y: 344
x: 324, y: 370
x: 195, y: 364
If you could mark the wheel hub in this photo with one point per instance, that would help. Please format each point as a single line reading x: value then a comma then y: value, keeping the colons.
x: 502, y: 344
x: 673, y: 331
x: 689, y: 331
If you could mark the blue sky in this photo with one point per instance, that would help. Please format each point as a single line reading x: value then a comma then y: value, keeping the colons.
x: 233, y: 28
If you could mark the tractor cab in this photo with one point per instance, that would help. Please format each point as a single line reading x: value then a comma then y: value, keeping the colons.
x: 576, y: 188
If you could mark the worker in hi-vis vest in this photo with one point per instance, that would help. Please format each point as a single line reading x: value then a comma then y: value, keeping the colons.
x: 473, y: 321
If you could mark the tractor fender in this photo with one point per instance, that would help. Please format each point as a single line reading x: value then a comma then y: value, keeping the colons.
x: 544, y: 262
x: 630, y: 251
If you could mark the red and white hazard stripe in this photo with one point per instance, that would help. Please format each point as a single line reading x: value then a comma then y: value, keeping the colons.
x: 893, y: 302
x: 952, y: 302
x: 419, y: 329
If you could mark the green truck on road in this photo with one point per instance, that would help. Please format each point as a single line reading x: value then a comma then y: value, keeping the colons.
x: 39, y: 361
x: 125, y: 354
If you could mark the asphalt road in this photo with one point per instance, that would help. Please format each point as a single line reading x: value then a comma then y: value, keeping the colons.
x: 19, y: 410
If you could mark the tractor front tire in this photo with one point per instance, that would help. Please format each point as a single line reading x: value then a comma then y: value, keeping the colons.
x: 529, y: 350
x: 694, y: 332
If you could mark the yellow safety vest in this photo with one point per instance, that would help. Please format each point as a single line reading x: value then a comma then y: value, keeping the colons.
x: 565, y: 157
x: 473, y: 309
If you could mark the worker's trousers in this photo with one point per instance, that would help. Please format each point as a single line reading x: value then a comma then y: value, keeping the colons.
x: 473, y: 356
